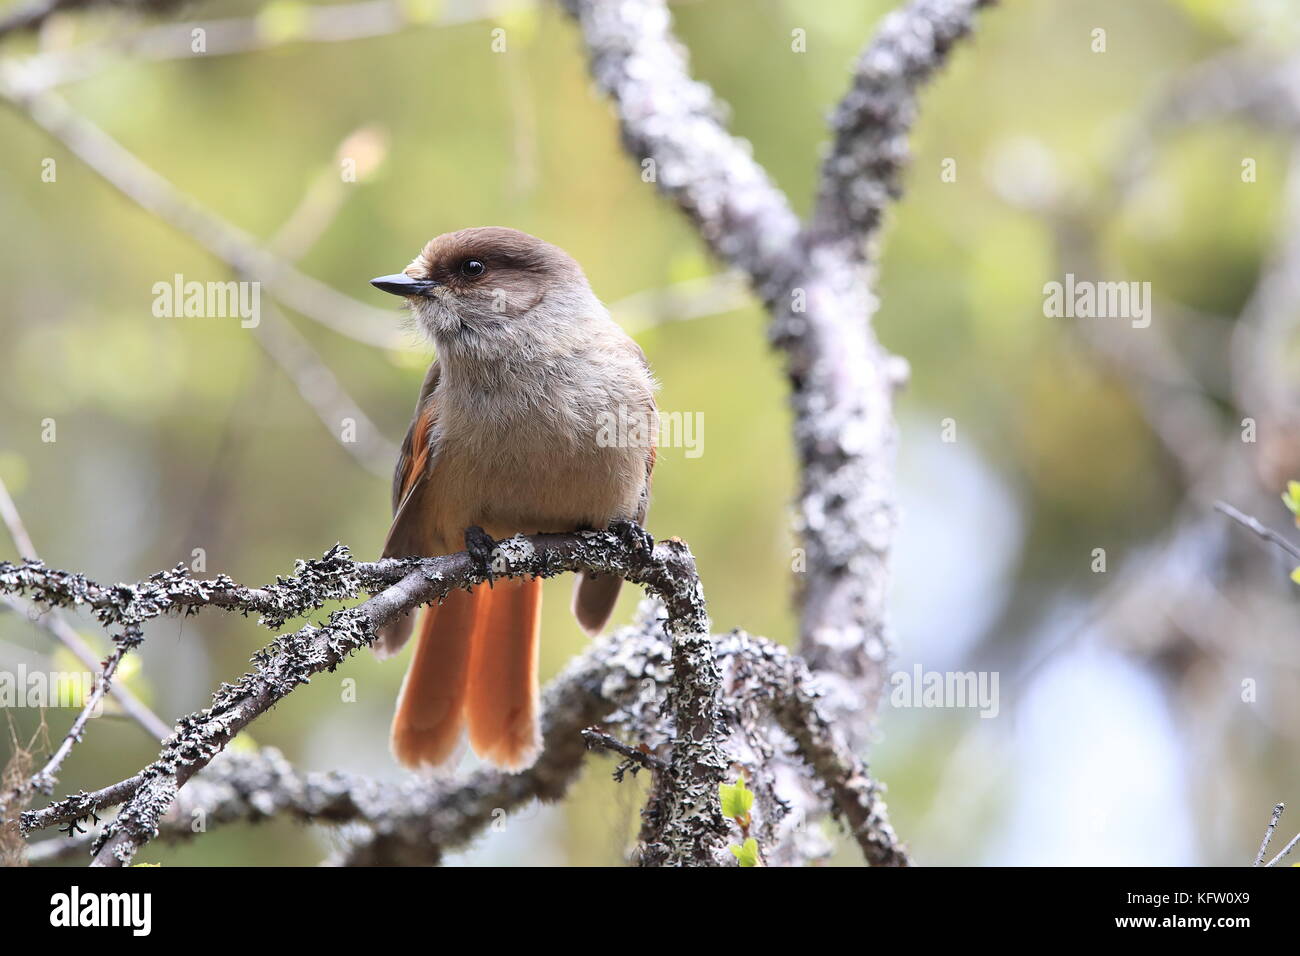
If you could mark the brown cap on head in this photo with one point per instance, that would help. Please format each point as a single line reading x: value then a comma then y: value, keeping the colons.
x: 471, y: 263
x: 444, y: 258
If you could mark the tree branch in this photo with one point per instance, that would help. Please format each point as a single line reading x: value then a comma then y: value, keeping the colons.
x: 1268, y: 833
x: 620, y: 681
x: 784, y: 682
x: 666, y: 571
x: 227, y: 36
x: 860, y: 175
x: 1253, y: 524
x: 815, y: 283
x: 674, y: 123
x: 14, y: 798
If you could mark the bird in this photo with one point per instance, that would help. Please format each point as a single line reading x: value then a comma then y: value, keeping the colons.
x: 511, y: 434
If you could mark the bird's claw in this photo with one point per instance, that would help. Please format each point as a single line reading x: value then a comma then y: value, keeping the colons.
x: 637, y: 538
x: 479, y: 546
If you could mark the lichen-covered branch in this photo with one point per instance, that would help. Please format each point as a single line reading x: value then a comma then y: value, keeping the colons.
x: 815, y: 282
x: 782, y: 681
x: 417, y: 821
x: 860, y: 174
x: 842, y: 380
x: 673, y: 123
x: 666, y: 570
x: 621, y: 682
x: 684, y: 824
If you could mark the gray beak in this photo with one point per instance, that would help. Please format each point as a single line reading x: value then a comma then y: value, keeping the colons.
x: 402, y: 284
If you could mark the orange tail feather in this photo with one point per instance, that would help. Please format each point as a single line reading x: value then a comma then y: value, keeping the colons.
x: 501, y: 706
x: 431, y: 706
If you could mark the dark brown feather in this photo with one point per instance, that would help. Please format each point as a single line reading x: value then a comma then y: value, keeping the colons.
x: 594, y: 595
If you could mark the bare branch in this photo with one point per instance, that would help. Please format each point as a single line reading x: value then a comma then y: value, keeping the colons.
x: 45, y: 779
x: 620, y: 680
x: 681, y: 301
x: 1285, y: 850
x: 56, y: 626
x: 842, y: 380
x: 1253, y: 524
x: 65, y: 634
x: 814, y: 282
x: 784, y: 683
x: 1268, y: 833
x: 417, y: 821
x: 14, y: 522
x: 321, y: 390
x: 685, y: 824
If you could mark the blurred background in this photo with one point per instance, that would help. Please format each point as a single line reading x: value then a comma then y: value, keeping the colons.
x: 1147, y: 712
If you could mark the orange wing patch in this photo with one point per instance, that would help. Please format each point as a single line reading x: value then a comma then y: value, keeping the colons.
x: 418, y: 460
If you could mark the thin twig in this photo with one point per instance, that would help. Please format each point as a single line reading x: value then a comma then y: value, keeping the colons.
x: 53, y: 623
x: 63, y: 632
x: 323, y: 393
x: 1268, y: 833
x: 124, y: 171
x: 1285, y: 850
x: 335, y: 23
x: 14, y: 522
x: 636, y: 758
x: 1252, y: 524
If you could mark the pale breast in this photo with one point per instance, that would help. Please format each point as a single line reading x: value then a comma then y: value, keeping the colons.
x: 512, y: 469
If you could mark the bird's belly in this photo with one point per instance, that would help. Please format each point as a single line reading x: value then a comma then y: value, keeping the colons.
x: 536, y: 483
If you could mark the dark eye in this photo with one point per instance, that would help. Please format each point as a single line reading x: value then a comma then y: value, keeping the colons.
x: 472, y: 268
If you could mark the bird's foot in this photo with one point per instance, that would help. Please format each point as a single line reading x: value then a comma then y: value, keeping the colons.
x: 635, y: 537
x: 479, y: 546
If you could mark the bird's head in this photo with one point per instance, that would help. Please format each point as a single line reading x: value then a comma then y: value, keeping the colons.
x: 489, y: 289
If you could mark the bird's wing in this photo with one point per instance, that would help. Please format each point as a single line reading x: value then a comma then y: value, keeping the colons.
x: 415, y: 446
x: 413, y: 465
x: 410, y: 482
